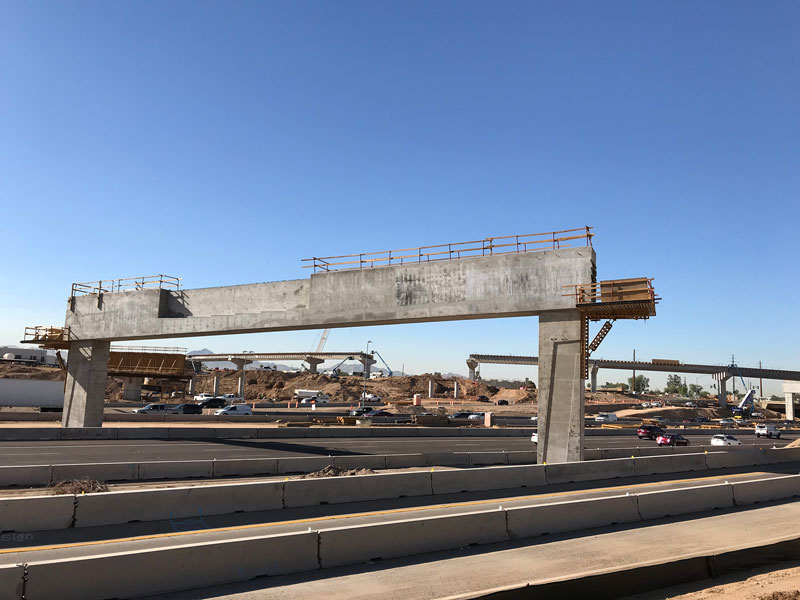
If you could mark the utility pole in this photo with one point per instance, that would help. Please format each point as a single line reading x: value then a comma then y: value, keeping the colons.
x: 760, y: 383
x: 633, y: 382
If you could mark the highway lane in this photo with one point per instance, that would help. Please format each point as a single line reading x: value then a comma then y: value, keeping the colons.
x: 83, y: 451
x: 82, y: 542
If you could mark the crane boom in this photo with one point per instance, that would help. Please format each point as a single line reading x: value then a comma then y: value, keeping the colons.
x: 322, y: 339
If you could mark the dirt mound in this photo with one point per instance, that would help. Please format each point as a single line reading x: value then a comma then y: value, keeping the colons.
x: 78, y: 486
x: 331, y: 471
x: 791, y: 595
x: 26, y: 372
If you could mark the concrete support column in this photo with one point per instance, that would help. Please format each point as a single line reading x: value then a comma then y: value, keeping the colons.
x: 215, y: 391
x: 132, y: 390
x: 85, y: 389
x: 240, y: 365
x: 313, y: 363
x: 722, y: 397
x: 472, y: 364
x: 430, y: 388
x: 367, y: 362
x: 789, y: 406
x: 561, y: 388
x: 594, y: 371
x: 192, y: 386
x: 455, y: 389
x: 240, y: 391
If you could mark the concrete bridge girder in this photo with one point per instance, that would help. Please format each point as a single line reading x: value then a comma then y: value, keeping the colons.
x: 507, y: 285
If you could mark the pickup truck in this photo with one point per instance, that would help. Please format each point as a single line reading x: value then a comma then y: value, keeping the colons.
x: 150, y: 408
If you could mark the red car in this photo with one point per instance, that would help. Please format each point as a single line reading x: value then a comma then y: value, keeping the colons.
x: 650, y: 432
x: 672, y: 439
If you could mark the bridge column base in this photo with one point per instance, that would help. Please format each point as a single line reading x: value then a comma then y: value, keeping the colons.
x: 594, y: 378
x: 789, y: 406
x: 85, y: 389
x: 472, y: 365
x: 313, y: 363
x: 132, y: 390
x: 561, y: 388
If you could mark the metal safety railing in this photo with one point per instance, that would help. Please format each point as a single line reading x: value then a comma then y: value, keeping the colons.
x: 149, y: 349
x: 510, y: 244
x: 110, y: 286
x: 45, y: 334
x: 616, y: 290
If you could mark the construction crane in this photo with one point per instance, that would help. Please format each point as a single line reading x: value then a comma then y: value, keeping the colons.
x: 336, y: 370
x: 389, y: 370
x: 322, y: 339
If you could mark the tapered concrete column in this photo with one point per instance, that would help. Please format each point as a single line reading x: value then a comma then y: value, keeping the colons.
x: 430, y: 388
x: 722, y: 397
x: 192, y: 386
x: 132, y: 390
x: 367, y: 362
x: 85, y: 389
x: 789, y: 406
x: 594, y: 378
x: 561, y: 388
x: 472, y: 364
x: 215, y: 391
x: 312, y: 363
x: 240, y: 365
x: 455, y: 389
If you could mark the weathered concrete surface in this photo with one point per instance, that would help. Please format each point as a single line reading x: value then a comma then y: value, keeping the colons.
x: 472, y: 288
x: 85, y: 388
x: 561, y: 389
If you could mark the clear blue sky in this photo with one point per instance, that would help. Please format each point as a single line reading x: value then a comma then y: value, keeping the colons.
x: 223, y: 142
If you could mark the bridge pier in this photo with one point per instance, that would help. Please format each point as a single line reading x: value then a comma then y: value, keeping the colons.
x: 240, y: 363
x: 722, y: 396
x: 193, y: 386
x: 85, y: 388
x: 367, y: 361
x: 215, y: 389
x: 132, y: 390
x: 561, y: 388
x: 789, y: 406
x: 593, y: 374
x: 472, y: 364
x: 312, y: 363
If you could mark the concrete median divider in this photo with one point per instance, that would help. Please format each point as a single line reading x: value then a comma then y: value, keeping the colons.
x: 488, y: 478
x: 11, y: 581
x: 589, y: 470
x: 288, y: 432
x: 353, y: 545
x: 523, y: 457
x: 36, y: 513
x: 148, y: 572
x: 744, y: 457
x: 677, y: 463
x: 608, y: 453
x: 670, y: 503
x: 488, y: 458
x: 560, y: 517
x: 338, y: 490
x: 98, y: 471
x: 360, y: 461
x: 782, y: 455
x: 303, y: 464
x: 177, y: 469
x: 26, y: 476
x: 143, y: 433
x: 89, y: 433
x: 448, y: 459
x: 232, y: 433
x: 404, y: 461
x: 766, y: 490
x: 245, y: 467
x: 111, y: 508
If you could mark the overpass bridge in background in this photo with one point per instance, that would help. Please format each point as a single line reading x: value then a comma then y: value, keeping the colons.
x: 721, y: 373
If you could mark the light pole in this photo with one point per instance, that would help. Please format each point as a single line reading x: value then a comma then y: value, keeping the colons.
x: 366, y: 374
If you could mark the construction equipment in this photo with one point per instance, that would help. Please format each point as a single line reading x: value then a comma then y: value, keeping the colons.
x: 389, y: 371
x: 336, y: 370
x: 322, y: 339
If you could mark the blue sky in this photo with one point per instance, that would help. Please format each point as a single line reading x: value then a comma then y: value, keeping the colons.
x: 223, y: 142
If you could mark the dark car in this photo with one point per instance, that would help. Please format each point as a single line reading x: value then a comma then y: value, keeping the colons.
x: 378, y: 413
x: 502, y: 403
x: 186, y: 409
x: 672, y: 439
x: 357, y: 412
x: 214, y: 403
x: 702, y: 420
x: 459, y: 415
x: 649, y: 432
x: 482, y: 398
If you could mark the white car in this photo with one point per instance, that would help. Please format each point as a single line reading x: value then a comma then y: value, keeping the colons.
x: 239, y: 410
x: 645, y: 405
x: 535, y: 437
x: 475, y: 416
x: 605, y: 418
x: 535, y: 420
x: 724, y: 440
x: 203, y: 396
x: 768, y: 430
x: 314, y: 400
x: 150, y: 408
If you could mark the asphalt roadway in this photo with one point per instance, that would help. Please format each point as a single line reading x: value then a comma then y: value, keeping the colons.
x: 88, y: 451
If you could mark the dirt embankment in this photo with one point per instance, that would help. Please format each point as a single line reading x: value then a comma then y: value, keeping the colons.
x: 26, y: 372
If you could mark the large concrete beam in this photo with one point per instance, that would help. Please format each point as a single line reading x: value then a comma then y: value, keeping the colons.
x: 472, y: 288
x: 561, y: 388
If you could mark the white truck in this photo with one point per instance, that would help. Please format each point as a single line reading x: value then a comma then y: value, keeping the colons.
x: 33, y: 393
x: 305, y: 396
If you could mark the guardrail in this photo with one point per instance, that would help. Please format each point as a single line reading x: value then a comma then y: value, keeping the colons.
x: 511, y: 244
x: 111, y: 286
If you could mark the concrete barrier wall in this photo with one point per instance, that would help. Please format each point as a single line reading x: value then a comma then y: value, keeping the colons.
x: 654, y: 505
x: 353, y: 545
x: 36, y: 513
x: 338, y: 490
x: 766, y: 490
x: 190, y: 566
x: 532, y: 521
x: 496, y: 478
x: 589, y: 470
x: 136, y: 574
